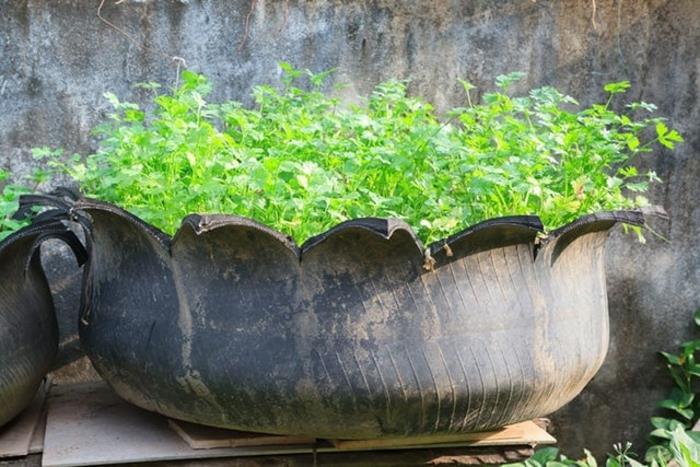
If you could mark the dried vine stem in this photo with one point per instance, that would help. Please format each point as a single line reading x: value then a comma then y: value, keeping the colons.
x: 114, y: 26
x: 179, y: 61
x: 253, y: 3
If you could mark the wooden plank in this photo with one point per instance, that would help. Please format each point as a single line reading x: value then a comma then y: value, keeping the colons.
x: 205, y: 437
x: 88, y: 424
x: 525, y: 433
x: 16, y: 436
x: 36, y: 446
x: 519, y: 434
x: 405, y: 458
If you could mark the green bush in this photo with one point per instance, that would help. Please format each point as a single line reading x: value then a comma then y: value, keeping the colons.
x: 9, y: 197
x: 300, y: 161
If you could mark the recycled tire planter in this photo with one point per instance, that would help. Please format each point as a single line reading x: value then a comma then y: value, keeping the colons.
x: 359, y: 333
x: 28, y: 329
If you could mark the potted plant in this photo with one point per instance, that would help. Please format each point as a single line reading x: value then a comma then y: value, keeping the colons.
x: 363, y: 331
x: 29, y: 333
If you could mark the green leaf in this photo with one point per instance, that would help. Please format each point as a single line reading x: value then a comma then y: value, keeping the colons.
x: 663, y: 423
x: 672, y: 359
x: 659, y: 454
x: 691, y: 346
x: 679, y: 378
x: 685, y: 450
x: 45, y: 152
x: 632, y: 142
x: 589, y: 459
x: 617, y: 87
x: 544, y: 455
x: 681, y: 398
x: 112, y: 99
x: 466, y: 85
x: 505, y: 81
x: 642, y: 105
x: 661, y: 433
x: 661, y: 129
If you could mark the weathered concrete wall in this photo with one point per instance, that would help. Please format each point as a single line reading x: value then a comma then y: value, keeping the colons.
x: 58, y: 57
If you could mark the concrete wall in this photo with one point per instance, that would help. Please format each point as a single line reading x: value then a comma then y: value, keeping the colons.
x: 58, y: 57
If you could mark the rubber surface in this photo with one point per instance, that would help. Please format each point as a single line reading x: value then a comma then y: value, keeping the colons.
x: 28, y: 329
x: 359, y: 333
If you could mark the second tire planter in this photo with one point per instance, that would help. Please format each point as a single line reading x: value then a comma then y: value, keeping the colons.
x: 359, y: 333
x: 28, y: 329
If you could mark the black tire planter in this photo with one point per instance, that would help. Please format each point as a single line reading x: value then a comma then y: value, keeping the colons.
x: 359, y: 333
x: 28, y: 329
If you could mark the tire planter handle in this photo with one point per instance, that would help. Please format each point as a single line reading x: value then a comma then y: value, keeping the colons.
x: 29, y: 332
x: 361, y: 332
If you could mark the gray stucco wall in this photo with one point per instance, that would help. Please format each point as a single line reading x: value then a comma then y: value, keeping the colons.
x: 58, y: 57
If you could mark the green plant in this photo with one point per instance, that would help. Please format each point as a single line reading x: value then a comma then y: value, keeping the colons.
x: 682, y: 404
x: 685, y: 448
x: 8, y: 205
x: 9, y: 196
x: 684, y: 452
x: 550, y: 457
x: 300, y: 161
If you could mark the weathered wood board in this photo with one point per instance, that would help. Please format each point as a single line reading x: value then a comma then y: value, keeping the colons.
x: 36, y: 446
x: 205, y: 437
x: 16, y: 436
x: 88, y: 424
x: 518, y: 434
x: 525, y: 433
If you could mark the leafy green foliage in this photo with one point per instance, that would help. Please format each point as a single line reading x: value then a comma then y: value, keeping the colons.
x: 301, y: 162
x: 682, y: 405
x: 8, y: 205
x: 10, y: 193
x: 684, y: 451
x: 550, y: 457
x: 685, y: 448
